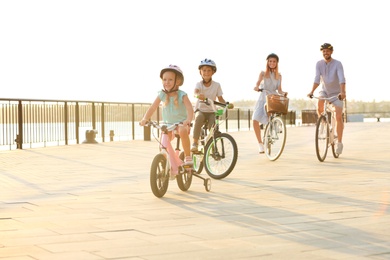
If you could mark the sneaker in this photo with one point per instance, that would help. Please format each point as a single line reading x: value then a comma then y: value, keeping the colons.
x: 188, y: 161
x: 194, y: 148
x: 339, y: 149
x: 261, y: 148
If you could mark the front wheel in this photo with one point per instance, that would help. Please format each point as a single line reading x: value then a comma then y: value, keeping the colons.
x: 184, y: 179
x: 220, y: 156
x: 159, y: 178
x: 274, y: 138
x: 322, y: 138
x: 334, y: 146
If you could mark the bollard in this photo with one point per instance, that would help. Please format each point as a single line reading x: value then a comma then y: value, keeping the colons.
x: 112, y: 135
x: 147, y: 133
x: 90, y: 136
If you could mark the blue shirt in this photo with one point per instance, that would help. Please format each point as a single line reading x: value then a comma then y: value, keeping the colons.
x: 331, y: 75
x: 171, y: 113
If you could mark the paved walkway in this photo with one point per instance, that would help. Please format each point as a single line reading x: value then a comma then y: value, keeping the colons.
x: 93, y: 201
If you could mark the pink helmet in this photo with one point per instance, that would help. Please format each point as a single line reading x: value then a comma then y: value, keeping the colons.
x: 177, y: 71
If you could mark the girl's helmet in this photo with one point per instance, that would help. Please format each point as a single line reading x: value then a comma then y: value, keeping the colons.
x: 326, y: 46
x: 177, y: 71
x: 208, y: 62
x: 273, y: 55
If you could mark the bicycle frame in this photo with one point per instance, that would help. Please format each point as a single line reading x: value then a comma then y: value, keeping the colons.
x: 325, y: 129
x: 275, y: 134
x: 169, y: 163
x: 218, y: 151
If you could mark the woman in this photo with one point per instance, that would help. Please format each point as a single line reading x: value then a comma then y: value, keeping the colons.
x: 271, y: 81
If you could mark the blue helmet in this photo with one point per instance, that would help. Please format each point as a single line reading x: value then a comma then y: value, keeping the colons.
x: 208, y: 62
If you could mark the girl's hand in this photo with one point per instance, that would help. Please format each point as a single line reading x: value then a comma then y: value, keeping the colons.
x: 143, y: 122
x: 256, y: 88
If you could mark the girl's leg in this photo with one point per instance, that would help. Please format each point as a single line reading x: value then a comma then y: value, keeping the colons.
x: 185, y: 139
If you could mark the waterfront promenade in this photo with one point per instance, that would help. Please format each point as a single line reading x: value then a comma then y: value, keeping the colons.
x: 93, y: 201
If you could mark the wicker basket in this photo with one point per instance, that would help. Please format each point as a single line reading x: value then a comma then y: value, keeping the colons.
x: 277, y: 104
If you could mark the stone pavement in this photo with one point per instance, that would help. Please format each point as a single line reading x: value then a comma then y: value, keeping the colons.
x: 93, y: 201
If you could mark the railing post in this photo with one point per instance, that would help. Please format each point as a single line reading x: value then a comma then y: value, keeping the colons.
x: 103, y: 119
x: 238, y: 118
x: 19, y: 136
x: 249, y: 119
x: 77, y: 122
x: 66, y: 122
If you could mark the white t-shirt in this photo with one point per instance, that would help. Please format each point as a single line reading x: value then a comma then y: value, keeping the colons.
x: 211, y: 93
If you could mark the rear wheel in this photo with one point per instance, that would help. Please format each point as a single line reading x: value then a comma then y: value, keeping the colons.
x: 274, y: 138
x: 159, y: 178
x: 322, y: 138
x: 220, y: 156
x: 184, y: 179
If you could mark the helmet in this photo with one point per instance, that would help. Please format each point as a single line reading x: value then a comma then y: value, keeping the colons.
x: 177, y: 71
x: 326, y: 46
x: 207, y: 62
x: 273, y: 55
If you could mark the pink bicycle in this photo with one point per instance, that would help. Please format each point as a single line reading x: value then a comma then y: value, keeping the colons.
x: 168, y: 163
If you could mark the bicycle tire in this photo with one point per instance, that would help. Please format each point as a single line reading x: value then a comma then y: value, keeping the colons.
x: 159, y: 178
x: 275, y: 138
x: 322, y: 138
x: 218, y: 166
x: 334, y: 147
x: 184, y: 179
x: 197, y: 159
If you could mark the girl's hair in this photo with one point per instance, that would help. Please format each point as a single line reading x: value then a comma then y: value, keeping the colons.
x: 276, y: 70
x: 175, y: 101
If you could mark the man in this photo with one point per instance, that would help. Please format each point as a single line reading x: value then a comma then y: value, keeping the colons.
x: 330, y: 73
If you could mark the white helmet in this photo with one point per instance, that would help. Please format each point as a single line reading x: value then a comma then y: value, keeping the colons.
x: 208, y: 62
x: 177, y: 71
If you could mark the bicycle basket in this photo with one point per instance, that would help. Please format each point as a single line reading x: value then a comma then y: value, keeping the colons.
x: 277, y: 104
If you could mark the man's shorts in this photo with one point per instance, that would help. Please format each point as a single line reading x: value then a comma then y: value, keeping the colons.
x: 336, y: 102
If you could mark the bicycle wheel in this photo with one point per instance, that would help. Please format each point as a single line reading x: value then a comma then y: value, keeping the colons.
x: 274, y: 138
x: 322, y: 138
x: 334, y: 146
x: 220, y: 156
x: 197, y: 159
x: 184, y: 179
x: 159, y: 178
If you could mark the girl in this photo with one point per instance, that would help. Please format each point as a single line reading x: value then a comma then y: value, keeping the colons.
x: 271, y: 81
x: 176, y: 106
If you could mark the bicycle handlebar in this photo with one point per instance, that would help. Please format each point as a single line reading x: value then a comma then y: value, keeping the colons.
x: 326, y: 98
x: 227, y: 104
x: 282, y: 95
x: 163, y: 127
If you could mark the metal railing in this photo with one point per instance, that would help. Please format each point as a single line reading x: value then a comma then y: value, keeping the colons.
x: 30, y: 123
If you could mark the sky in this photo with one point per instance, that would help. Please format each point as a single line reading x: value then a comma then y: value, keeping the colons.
x: 113, y: 50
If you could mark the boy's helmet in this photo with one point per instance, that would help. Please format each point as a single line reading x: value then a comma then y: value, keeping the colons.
x: 208, y: 62
x: 326, y: 46
x: 273, y: 55
x: 177, y: 71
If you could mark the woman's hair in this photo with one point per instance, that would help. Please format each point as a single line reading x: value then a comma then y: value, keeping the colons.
x: 268, y: 69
